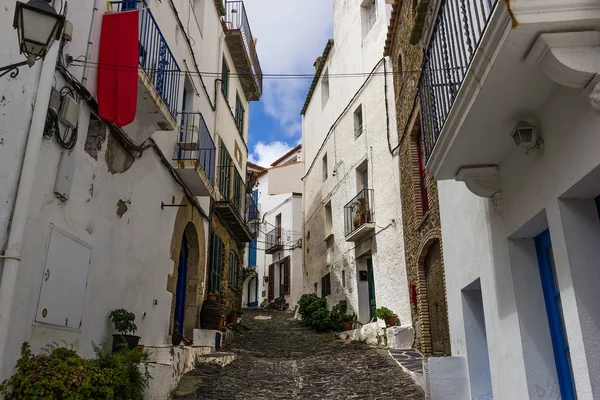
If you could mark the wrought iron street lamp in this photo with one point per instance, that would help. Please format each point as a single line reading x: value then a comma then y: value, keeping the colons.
x: 38, y: 26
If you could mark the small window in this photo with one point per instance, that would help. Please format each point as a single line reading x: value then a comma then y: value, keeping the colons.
x: 238, y: 154
x: 324, y: 167
x: 422, y: 177
x: 358, y: 122
x: 316, y: 287
x: 233, y: 270
x: 326, y: 285
x: 343, y: 278
x: 225, y: 79
x: 372, y: 14
x: 239, y: 114
x: 328, y: 220
x: 325, y: 87
x: 307, y: 236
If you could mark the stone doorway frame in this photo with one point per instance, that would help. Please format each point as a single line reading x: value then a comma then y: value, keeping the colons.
x: 190, y: 221
x: 422, y: 300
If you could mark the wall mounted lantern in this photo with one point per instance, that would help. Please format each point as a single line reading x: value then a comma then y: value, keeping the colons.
x: 38, y: 26
x: 527, y: 136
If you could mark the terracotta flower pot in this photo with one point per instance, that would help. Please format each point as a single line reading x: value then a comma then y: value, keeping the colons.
x: 347, y: 326
x: 357, y: 220
x: 212, y: 297
x: 392, y: 320
x: 232, y: 318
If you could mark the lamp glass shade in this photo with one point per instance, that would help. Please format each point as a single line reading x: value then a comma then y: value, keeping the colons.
x: 38, y: 25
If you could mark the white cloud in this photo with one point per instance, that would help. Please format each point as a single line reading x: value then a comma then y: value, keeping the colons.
x: 266, y: 153
x: 290, y: 34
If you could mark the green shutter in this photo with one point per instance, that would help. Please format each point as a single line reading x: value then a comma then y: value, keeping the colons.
x: 233, y: 270
x: 225, y: 78
x: 239, y: 113
x: 216, y: 262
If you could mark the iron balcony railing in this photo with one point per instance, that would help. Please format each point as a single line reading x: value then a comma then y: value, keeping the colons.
x: 233, y: 189
x: 458, y: 29
x: 236, y: 19
x: 155, y: 56
x: 359, y: 211
x: 196, y: 143
x: 274, y: 240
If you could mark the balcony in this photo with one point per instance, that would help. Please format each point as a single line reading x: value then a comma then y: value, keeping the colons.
x: 274, y: 242
x: 195, y: 155
x: 359, y: 218
x: 235, y: 205
x: 242, y: 48
x: 483, y: 72
x: 158, y: 75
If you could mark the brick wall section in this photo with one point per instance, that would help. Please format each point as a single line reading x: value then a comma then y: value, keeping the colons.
x: 231, y: 299
x: 420, y: 231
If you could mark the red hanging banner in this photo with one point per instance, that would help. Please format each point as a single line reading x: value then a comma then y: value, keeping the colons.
x: 118, y: 69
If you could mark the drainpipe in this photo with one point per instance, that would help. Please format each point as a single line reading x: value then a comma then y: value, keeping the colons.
x: 12, y: 254
x: 88, y: 52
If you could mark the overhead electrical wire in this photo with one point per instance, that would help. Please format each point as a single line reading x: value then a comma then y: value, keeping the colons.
x: 91, y: 64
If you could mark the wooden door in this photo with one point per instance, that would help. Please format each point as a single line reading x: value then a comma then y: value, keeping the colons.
x: 372, y: 302
x: 271, y: 282
x: 286, y: 276
x: 436, y: 301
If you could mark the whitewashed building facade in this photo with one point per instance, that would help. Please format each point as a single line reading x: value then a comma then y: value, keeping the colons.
x: 276, y: 252
x: 511, y: 130
x: 119, y: 217
x: 352, y: 216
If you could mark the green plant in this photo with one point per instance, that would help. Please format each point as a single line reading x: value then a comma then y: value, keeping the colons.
x: 62, y: 374
x: 349, y: 317
x: 383, y: 313
x: 215, y: 292
x: 124, y: 321
x: 315, y: 314
x: 220, y: 7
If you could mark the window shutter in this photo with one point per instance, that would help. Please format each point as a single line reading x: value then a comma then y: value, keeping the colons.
x: 216, y: 262
x: 271, y: 282
x: 286, y: 275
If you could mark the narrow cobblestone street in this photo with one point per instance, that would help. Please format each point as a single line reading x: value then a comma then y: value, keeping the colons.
x: 280, y: 359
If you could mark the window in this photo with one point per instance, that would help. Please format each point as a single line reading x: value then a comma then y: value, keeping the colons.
x: 238, y: 154
x: 324, y: 167
x: 328, y: 220
x: 278, y: 230
x: 316, y: 287
x: 225, y: 175
x: 371, y: 14
x: 326, y: 285
x: 422, y: 177
x: 239, y: 114
x: 362, y: 176
x: 216, y: 262
x: 325, y: 87
x: 225, y: 79
x: 358, y: 122
x: 286, y: 276
x: 233, y: 270
x: 343, y: 278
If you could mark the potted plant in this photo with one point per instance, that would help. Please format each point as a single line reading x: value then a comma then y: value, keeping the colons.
x: 388, y: 316
x: 356, y: 214
x: 212, y: 296
x: 233, y: 316
x: 348, y: 321
x: 124, y: 322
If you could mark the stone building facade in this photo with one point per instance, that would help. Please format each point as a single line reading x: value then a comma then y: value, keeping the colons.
x: 420, y: 205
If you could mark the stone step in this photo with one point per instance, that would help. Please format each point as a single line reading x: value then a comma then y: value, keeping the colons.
x: 220, y: 358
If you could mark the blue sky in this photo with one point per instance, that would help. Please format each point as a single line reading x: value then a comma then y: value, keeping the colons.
x: 290, y: 35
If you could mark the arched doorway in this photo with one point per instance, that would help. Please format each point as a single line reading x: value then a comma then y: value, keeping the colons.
x: 436, y: 301
x: 181, y: 290
x: 253, y: 292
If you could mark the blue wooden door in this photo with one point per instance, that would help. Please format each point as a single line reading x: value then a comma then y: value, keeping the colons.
x: 551, y: 291
x: 181, y: 284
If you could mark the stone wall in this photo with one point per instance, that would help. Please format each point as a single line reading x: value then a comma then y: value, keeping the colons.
x: 420, y: 229
x: 231, y: 298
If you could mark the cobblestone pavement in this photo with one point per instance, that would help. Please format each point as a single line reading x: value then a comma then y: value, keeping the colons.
x: 280, y: 359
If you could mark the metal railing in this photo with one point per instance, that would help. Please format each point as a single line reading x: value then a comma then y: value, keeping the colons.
x: 458, y: 29
x: 236, y: 19
x: 359, y: 211
x: 196, y: 143
x: 155, y: 56
x: 274, y: 239
x: 233, y: 189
